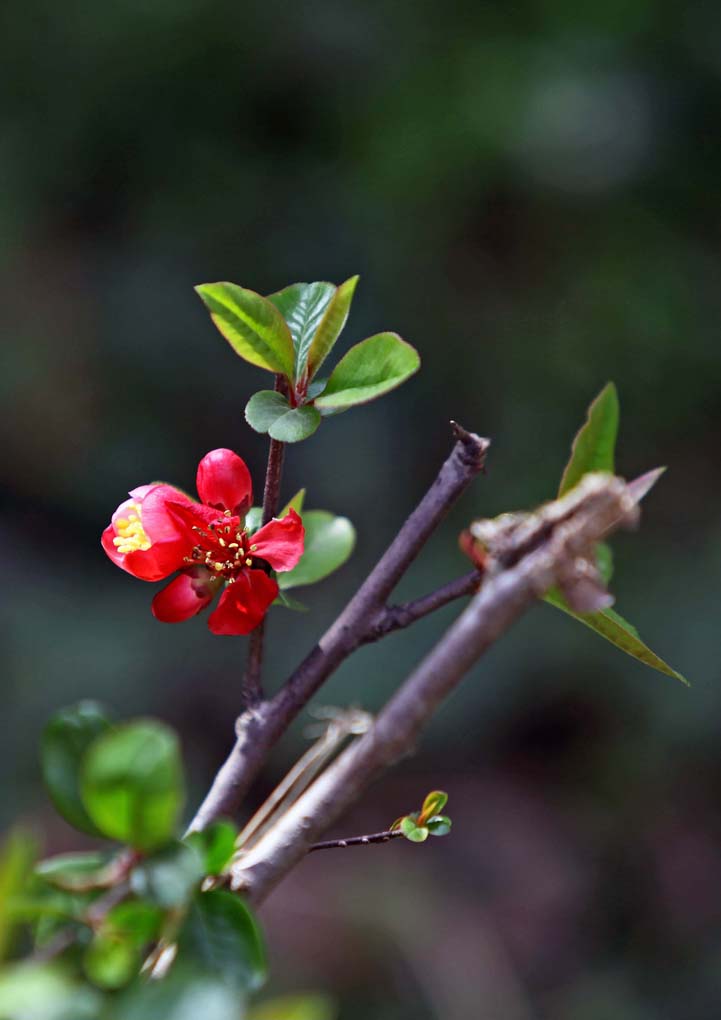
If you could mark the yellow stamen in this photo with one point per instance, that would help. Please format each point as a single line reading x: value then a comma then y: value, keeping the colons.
x: 130, y: 535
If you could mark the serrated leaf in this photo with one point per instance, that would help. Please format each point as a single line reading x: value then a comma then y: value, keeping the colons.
x: 252, y: 325
x: 215, y: 844
x: 132, y: 784
x: 295, y: 1007
x: 439, y: 825
x: 367, y: 371
x: 433, y: 804
x: 331, y: 325
x: 594, y: 447
x: 169, y: 877
x: 295, y: 425
x: 221, y: 936
x: 329, y: 541
x: 64, y: 742
x: 264, y: 408
x: 303, y: 306
x: 611, y: 626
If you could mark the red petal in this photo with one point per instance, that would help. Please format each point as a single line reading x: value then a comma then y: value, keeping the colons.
x: 168, y: 542
x: 244, y: 603
x: 223, y: 481
x: 280, y: 542
x: 184, y: 597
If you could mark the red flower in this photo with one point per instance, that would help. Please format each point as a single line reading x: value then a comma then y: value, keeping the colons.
x: 160, y: 530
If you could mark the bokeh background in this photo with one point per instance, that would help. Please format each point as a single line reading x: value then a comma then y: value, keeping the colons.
x: 530, y: 192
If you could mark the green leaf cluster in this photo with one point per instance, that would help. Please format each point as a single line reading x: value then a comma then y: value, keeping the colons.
x: 291, y: 333
x: 419, y: 825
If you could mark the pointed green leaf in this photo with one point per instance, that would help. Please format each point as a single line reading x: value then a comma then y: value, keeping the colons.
x: 368, y: 370
x: 595, y: 443
x: 296, y: 503
x: 439, y: 825
x: 132, y: 784
x: 252, y: 325
x: 221, y: 936
x: 611, y: 626
x: 303, y: 306
x: 66, y: 738
x: 331, y: 325
x: 329, y: 541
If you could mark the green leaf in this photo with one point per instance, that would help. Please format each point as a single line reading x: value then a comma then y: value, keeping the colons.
x: 295, y: 1007
x: 215, y: 845
x: 329, y: 541
x: 252, y: 325
x: 288, y: 602
x: 136, y: 920
x: 611, y: 626
x: 253, y: 519
x: 595, y: 443
x: 221, y: 936
x: 17, y: 856
x: 64, y: 742
x: 303, y: 305
x: 75, y: 871
x: 368, y: 370
x: 111, y: 961
x: 439, y: 825
x: 604, y: 561
x: 269, y: 411
x: 433, y: 804
x: 132, y: 784
x: 331, y: 326
x: 169, y: 877
x: 185, y: 994
x: 296, y: 503
x: 45, y: 991
x: 415, y: 833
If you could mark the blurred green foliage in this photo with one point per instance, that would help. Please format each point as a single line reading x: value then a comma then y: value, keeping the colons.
x: 530, y: 194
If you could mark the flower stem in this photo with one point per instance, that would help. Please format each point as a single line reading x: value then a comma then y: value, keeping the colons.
x: 252, y: 686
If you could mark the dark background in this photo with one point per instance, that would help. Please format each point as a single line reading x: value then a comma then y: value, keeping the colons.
x: 530, y: 192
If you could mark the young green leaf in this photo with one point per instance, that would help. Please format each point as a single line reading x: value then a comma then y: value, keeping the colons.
x: 288, y: 602
x: 136, y: 920
x: 111, y: 961
x: 75, y: 871
x: 268, y: 411
x: 252, y: 325
x: 611, y: 626
x: 296, y: 503
x: 17, y: 855
x: 439, y: 825
x: 415, y: 833
x: 221, y: 936
x: 595, y: 443
x: 433, y: 804
x: 331, y: 325
x: 132, y: 784
x: 215, y: 844
x: 169, y: 877
x: 329, y: 541
x: 303, y: 306
x: 65, y: 740
x: 368, y: 370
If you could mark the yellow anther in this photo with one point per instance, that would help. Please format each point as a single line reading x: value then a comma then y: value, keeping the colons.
x: 253, y: 548
x: 248, y: 562
x: 221, y: 540
x: 218, y: 567
x: 130, y: 535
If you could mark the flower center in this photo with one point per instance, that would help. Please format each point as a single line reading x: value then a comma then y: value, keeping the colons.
x: 129, y: 532
x: 223, y: 547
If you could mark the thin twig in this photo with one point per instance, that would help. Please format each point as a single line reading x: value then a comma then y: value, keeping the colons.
x: 252, y: 687
x: 572, y: 526
x: 392, y: 618
x: 259, y: 729
x: 339, y: 844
